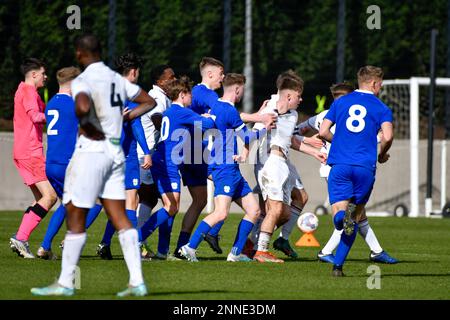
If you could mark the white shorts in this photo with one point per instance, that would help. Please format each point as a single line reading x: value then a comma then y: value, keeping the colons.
x: 294, y: 177
x: 324, y: 171
x: 146, y: 175
x: 92, y: 175
x: 274, y: 180
x: 256, y: 170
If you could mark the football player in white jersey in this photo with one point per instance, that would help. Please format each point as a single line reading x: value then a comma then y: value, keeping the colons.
x: 97, y: 165
x: 275, y: 178
x: 377, y: 254
x: 151, y: 122
x: 299, y: 197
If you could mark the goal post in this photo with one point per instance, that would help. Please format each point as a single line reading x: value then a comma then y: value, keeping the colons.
x: 394, y: 94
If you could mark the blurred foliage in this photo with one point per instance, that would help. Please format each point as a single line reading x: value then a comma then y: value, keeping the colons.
x: 286, y: 34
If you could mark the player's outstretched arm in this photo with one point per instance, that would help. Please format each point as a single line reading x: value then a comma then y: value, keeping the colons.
x: 268, y: 119
x: 296, y: 144
x: 324, y: 131
x: 387, y: 138
x: 146, y: 103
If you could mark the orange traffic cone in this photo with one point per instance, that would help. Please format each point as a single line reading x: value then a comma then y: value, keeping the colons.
x: 307, y: 240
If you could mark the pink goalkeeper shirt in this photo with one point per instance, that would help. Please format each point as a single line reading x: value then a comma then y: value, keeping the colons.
x: 29, y: 120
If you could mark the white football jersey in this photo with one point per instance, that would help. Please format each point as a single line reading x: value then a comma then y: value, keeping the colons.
x: 108, y: 91
x: 264, y: 141
x: 162, y: 103
x: 280, y: 136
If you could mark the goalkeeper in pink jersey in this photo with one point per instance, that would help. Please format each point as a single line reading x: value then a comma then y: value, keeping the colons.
x: 29, y: 120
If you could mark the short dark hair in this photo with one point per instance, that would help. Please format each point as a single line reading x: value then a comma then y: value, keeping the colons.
x: 157, y: 72
x: 208, y: 61
x: 176, y: 86
x: 128, y: 61
x: 341, y: 89
x: 232, y: 79
x: 30, y: 64
x: 288, y: 74
x: 291, y: 83
x: 88, y: 42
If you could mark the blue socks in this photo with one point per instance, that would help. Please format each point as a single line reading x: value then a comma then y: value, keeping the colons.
x: 108, y: 234
x: 344, y: 247
x: 132, y: 216
x: 183, y: 239
x: 53, y: 227
x: 93, y: 214
x: 165, y: 230
x: 202, y: 229
x: 216, y: 229
x: 156, y: 219
x: 57, y: 220
x: 339, y: 220
x: 244, y: 229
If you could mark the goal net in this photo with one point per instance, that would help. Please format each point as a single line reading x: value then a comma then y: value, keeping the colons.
x: 401, y: 182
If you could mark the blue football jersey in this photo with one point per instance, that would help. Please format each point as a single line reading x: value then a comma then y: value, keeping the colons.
x: 133, y: 133
x: 177, y: 123
x: 202, y: 99
x: 358, y: 117
x: 224, y: 145
x: 62, y: 129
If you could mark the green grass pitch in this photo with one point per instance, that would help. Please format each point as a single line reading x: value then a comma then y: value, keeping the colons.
x: 422, y: 246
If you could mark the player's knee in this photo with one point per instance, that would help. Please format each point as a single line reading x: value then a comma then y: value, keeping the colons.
x: 172, y: 209
x: 220, y: 215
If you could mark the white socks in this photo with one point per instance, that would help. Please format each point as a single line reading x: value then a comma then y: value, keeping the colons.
x: 263, y: 241
x: 333, y: 242
x: 287, y: 228
x: 73, y: 245
x: 369, y: 236
x: 364, y: 230
x: 254, y: 235
x: 129, y: 242
x: 143, y: 213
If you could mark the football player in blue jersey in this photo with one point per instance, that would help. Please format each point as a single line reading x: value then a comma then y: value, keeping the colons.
x: 62, y: 132
x: 173, y: 151
x: 358, y: 116
x: 129, y: 66
x: 223, y: 166
x: 195, y: 174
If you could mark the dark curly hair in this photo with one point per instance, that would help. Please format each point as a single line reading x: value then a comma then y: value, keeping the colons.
x: 126, y: 62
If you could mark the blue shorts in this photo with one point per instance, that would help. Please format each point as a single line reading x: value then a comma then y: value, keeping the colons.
x: 132, y: 174
x: 55, y: 174
x: 350, y: 182
x: 228, y: 181
x: 166, y: 179
x: 194, y: 175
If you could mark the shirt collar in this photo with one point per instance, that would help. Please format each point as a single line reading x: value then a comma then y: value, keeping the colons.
x: 204, y: 84
x: 94, y: 65
x: 178, y: 104
x: 364, y: 91
x: 158, y: 88
x: 226, y: 101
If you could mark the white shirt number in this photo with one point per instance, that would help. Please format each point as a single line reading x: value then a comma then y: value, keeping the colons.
x: 358, y: 118
x: 165, y: 128
x: 50, y: 130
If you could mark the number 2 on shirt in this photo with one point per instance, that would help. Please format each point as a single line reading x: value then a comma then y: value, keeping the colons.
x: 358, y: 118
x: 50, y: 130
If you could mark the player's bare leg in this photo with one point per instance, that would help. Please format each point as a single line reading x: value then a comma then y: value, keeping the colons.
x: 199, y: 200
x: 274, y: 210
x: 45, y: 197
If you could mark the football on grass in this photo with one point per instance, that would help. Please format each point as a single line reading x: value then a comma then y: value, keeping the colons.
x: 308, y: 222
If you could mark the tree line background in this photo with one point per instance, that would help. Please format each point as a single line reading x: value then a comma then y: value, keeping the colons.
x: 297, y: 34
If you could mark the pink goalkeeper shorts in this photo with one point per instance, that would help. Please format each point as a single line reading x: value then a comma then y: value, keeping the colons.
x: 32, y: 170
